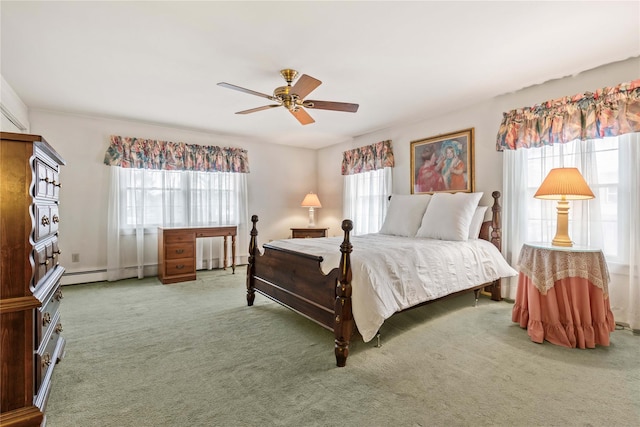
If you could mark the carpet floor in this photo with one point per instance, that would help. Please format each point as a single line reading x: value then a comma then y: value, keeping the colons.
x: 140, y: 353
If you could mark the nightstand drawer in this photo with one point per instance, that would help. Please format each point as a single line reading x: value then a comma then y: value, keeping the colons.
x: 307, y: 233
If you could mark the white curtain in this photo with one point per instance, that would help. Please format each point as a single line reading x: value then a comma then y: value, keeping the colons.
x: 611, y: 167
x: 625, y: 295
x: 141, y: 200
x: 366, y: 199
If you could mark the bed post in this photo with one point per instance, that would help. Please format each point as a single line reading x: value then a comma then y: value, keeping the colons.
x: 251, y: 267
x: 343, y: 326
x: 496, y: 239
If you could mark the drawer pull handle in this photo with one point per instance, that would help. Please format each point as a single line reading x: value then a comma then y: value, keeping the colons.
x: 58, y: 295
x: 57, y: 252
x: 180, y: 266
x: 179, y: 251
x: 45, y: 179
x: 58, y: 185
x: 46, y: 318
x: 46, y: 360
x: 46, y: 262
x: 45, y: 220
x: 56, y: 219
x: 58, y: 328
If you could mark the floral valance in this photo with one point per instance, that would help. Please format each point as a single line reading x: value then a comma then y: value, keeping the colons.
x: 367, y: 158
x: 139, y: 153
x: 610, y: 111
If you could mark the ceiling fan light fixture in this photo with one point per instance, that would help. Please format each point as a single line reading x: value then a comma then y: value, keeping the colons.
x: 292, y: 97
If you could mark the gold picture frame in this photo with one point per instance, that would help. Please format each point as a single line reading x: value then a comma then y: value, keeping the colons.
x: 443, y: 163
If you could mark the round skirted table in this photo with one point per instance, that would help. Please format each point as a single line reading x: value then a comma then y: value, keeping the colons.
x: 563, y: 295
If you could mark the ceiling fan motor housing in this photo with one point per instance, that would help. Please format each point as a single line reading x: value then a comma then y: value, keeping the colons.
x: 290, y: 100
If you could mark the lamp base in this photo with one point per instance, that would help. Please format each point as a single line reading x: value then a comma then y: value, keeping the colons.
x: 561, y: 241
x: 562, y: 229
x: 312, y: 222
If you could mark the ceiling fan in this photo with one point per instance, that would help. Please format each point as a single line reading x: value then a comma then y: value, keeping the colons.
x: 292, y: 97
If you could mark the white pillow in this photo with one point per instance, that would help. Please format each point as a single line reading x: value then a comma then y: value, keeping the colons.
x: 448, y: 216
x: 404, y: 214
x: 476, y: 222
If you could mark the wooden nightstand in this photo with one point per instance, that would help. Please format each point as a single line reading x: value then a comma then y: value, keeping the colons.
x: 306, y: 233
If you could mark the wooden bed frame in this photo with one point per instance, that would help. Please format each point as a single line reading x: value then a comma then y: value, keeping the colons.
x: 296, y: 281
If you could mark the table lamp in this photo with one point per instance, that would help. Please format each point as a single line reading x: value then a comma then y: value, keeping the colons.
x: 311, y: 201
x: 563, y: 184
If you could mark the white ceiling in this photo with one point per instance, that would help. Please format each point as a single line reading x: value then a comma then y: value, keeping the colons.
x: 403, y: 62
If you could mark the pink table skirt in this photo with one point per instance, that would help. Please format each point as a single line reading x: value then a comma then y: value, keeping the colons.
x: 573, y: 313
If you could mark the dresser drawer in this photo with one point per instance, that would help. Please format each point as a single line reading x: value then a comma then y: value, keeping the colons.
x: 41, y: 263
x: 179, y: 250
x: 180, y: 266
x: 47, y: 181
x: 47, y: 313
x: 49, y: 352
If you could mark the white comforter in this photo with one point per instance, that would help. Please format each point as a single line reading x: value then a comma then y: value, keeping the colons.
x: 392, y: 273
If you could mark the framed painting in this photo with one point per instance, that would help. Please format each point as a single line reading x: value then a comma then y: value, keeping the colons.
x: 443, y: 163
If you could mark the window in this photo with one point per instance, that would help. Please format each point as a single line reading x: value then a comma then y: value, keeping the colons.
x: 141, y: 200
x: 599, y: 222
x: 366, y: 198
x: 154, y: 198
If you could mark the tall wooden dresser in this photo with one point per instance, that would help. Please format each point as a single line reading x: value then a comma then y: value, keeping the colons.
x: 30, y: 328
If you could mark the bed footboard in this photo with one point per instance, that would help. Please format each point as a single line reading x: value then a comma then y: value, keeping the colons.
x: 296, y: 281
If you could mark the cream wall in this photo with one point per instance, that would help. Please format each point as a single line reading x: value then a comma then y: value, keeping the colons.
x: 484, y: 117
x: 280, y: 177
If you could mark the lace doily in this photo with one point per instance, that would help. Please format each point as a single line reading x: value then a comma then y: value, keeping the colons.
x: 545, y: 266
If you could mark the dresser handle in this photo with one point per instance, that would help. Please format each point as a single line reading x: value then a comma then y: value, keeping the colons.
x: 57, y: 252
x: 46, y: 360
x: 58, y: 295
x: 179, y: 251
x: 56, y: 219
x: 58, y: 328
x: 57, y: 185
x: 180, y: 266
x: 46, y: 318
x: 45, y: 220
x: 45, y: 179
x: 46, y: 262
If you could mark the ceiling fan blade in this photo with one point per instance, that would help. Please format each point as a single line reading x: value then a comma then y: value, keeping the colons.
x: 329, y: 105
x: 253, y: 110
x: 249, y: 91
x: 305, y: 85
x: 303, y: 117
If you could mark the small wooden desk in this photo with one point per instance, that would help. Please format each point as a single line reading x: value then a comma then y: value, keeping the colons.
x: 563, y: 296
x: 177, y: 251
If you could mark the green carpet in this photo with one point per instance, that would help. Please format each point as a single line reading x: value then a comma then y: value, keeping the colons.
x: 140, y: 353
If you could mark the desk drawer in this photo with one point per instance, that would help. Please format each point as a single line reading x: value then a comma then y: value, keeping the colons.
x: 180, y: 266
x: 179, y: 237
x: 178, y: 250
x: 217, y: 232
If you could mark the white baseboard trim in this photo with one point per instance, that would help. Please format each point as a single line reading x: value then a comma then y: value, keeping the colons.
x: 83, y: 277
